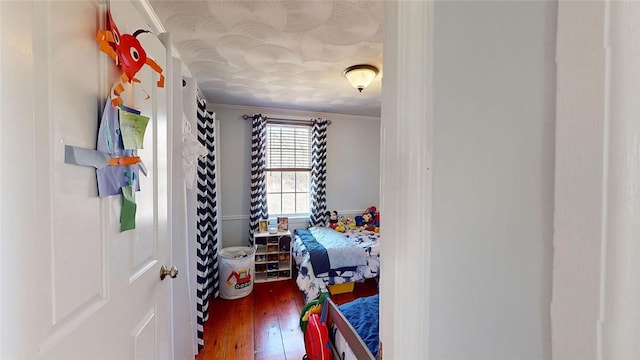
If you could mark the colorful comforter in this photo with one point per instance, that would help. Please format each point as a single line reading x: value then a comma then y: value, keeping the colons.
x: 312, y: 284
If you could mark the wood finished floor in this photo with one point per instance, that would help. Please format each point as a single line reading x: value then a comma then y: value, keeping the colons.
x: 264, y: 324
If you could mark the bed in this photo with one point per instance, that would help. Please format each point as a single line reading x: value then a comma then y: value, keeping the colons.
x: 354, y: 329
x: 352, y: 256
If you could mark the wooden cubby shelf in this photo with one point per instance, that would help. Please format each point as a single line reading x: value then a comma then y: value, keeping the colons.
x: 273, y: 256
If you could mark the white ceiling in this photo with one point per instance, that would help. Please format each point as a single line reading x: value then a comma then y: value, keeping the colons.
x: 286, y: 54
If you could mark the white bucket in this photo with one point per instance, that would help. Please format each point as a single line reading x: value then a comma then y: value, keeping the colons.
x: 237, y: 266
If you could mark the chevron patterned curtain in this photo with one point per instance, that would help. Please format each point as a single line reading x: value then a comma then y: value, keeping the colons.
x: 318, y: 172
x: 258, y: 202
x: 207, y: 226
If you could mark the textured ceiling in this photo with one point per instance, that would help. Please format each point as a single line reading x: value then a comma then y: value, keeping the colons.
x: 282, y: 54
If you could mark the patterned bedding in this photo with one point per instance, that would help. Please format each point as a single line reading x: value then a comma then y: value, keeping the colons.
x: 312, y: 285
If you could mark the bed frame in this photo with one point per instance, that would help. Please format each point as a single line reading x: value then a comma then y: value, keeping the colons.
x: 358, y: 347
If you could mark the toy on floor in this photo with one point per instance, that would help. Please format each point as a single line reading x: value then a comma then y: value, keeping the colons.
x: 312, y: 307
x: 316, y: 336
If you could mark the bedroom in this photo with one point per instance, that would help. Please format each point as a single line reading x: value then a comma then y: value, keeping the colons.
x: 479, y: 291
x: 352, y: 185
x: 353, y: 167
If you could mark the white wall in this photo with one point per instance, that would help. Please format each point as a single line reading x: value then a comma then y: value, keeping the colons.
x: 406, y: 155
x: 494, y: 91
x: 353, y: 166
x: 595, y: 312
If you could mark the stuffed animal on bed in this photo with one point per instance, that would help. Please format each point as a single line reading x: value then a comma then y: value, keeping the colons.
x: 350, y: 223
x: 368, y: 220
x: 340, y: 227
x: 375, y: 214
x: 333, y: 218
x: 375, y: 218
x: 369, y: 225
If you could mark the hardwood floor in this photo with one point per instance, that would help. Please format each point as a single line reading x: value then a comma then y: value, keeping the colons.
x: 263, y: 325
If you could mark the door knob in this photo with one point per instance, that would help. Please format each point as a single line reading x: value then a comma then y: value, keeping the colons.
x: 164, y: 271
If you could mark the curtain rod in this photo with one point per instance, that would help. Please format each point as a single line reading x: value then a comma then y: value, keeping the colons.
x: 247, y: 117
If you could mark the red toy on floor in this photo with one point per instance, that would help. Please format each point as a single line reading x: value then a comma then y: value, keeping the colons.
x: 316, y: 336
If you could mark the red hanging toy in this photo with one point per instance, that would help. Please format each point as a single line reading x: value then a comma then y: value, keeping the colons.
x: 128, y: 54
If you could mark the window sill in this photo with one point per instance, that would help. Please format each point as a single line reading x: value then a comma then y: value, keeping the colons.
x: 298, y: 219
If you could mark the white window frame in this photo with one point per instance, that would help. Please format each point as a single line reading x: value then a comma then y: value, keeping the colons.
x: 288, y: 167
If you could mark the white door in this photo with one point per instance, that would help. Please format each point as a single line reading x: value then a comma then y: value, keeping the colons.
x: 72, y: 285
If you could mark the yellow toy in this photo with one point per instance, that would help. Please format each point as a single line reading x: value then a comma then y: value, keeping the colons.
x: 350, y: 224
x: 340, y: 226
x: 312, y: 307
x: 315, y: 309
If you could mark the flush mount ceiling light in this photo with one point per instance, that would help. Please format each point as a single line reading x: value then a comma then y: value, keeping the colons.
x: 360, y: 76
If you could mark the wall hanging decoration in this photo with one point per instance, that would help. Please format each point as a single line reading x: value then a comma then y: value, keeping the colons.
x: 128, y: 54
x: 122, y: 128
x: 115, y: 159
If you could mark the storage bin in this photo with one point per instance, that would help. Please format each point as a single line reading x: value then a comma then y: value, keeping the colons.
x: 341, y: 288
x: 237, y: 267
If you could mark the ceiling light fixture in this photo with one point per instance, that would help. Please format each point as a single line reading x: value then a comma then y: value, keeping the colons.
x: 360, y: 76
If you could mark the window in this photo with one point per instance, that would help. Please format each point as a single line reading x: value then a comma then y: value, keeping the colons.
x: 288, y: 169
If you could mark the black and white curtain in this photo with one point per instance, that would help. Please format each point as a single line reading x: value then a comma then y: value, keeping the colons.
x: 318, y: 172
x: 258, y: 202
x: 207, y: 225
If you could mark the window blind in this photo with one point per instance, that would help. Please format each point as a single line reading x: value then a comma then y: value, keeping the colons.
x: 288, y: 148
